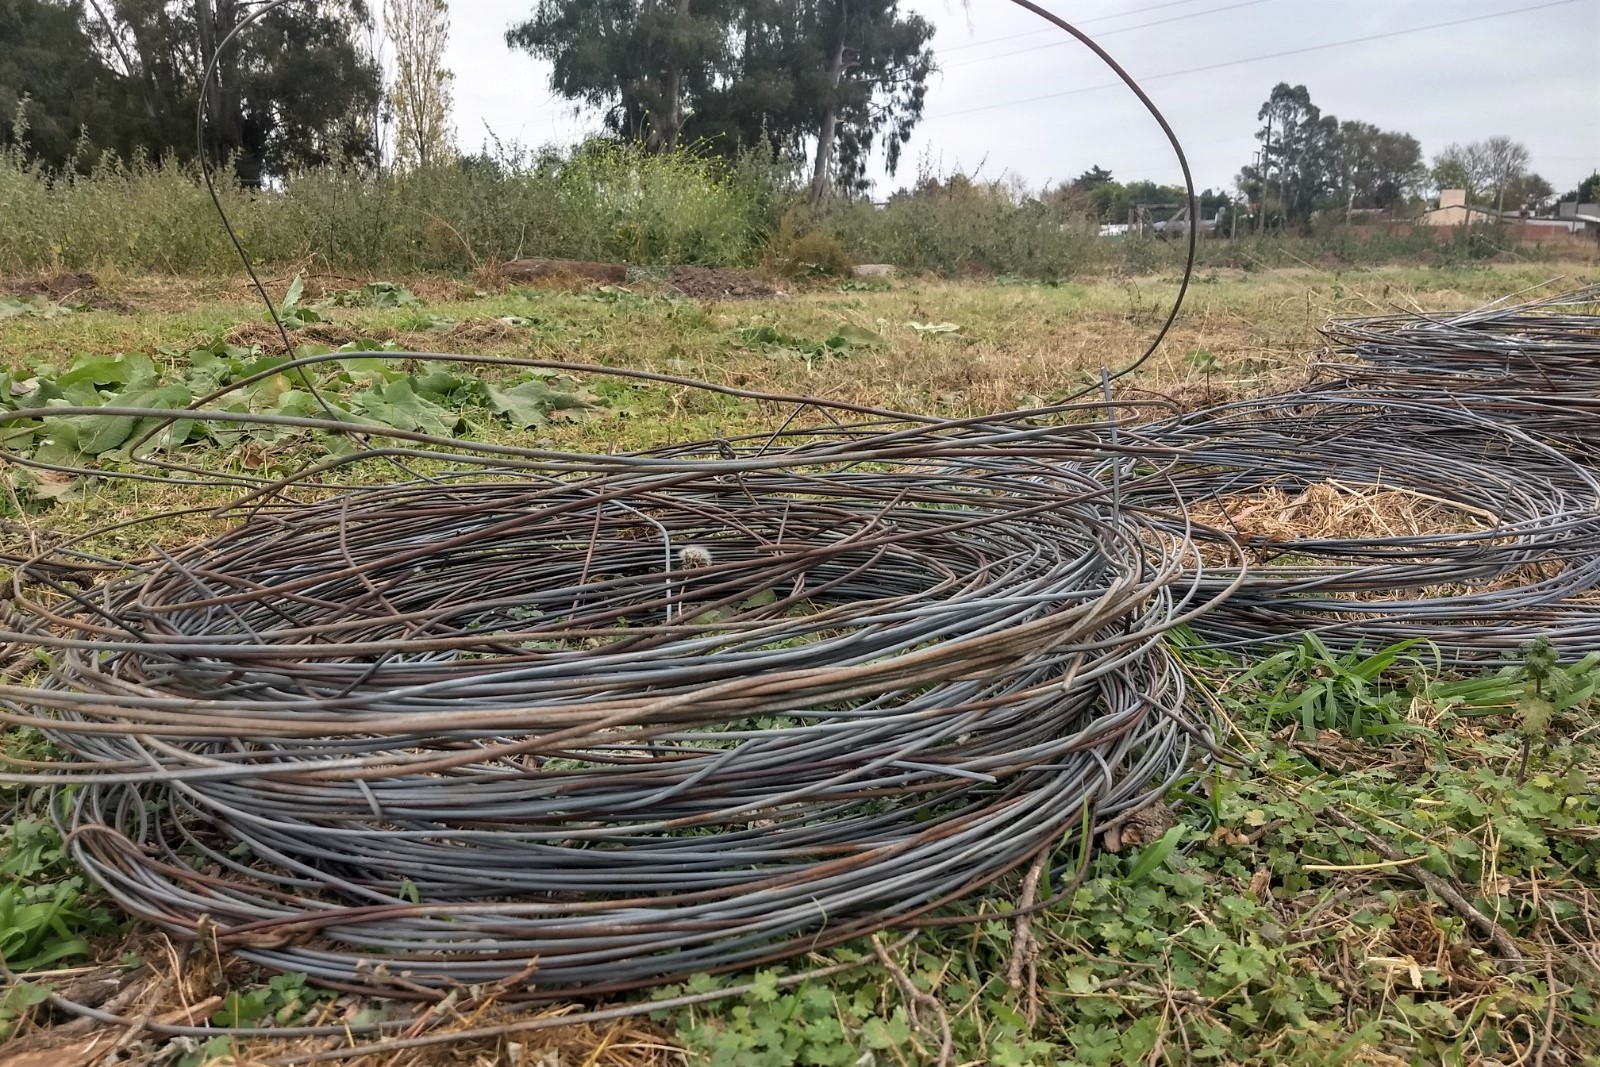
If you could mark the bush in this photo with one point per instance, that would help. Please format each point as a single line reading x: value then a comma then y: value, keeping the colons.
x: 960, y: 227
x: 797, y: 252
x: 609, y: 202
x: 602, y: 202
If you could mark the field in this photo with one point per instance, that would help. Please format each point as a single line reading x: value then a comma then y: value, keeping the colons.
x: 1410, y: 873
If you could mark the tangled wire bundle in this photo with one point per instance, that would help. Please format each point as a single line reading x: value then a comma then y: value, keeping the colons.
x: 605, y: 731
x: 1524, y: 548
x: 1541, y: 346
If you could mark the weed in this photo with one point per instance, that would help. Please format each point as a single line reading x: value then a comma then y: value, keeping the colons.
x: 46, y: 914
x: 282, y: 1000
x: 844, y: 339
x: 436, y: 399
x: 1320, y: 690
x: 16, y: 1002
x: 796, y: 252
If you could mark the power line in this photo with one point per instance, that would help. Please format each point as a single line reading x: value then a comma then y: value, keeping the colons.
x: 1079, y: 22
x: 1110, y: 33
x: 1257, y: 59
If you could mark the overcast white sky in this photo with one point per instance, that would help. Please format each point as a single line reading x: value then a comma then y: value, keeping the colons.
x: 1018, y: 97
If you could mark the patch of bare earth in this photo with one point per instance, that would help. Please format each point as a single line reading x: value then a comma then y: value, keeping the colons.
x: 65, y: 287
x: 480, y: 333
x: 714, y: 283
x: 265, y: 335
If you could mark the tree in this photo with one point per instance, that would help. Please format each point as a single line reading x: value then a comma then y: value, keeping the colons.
x: 878, y: 67
x: 1457, y: 168
x: 1092, y: 178
x: 72, y: 105
x: 419, y: 30
x: 1505, y: 161
x: 1530, y: 192
x: 841, y: 78
x: 1584, y: 193
x: 1300, y: 154
x: 1379, y: 168
x: 292, y: 90
x: 1483, y: 168
x: 637, y: 61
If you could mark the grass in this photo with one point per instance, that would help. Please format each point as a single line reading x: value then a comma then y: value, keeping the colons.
x: 1392, y: 866
x: 614, y: 203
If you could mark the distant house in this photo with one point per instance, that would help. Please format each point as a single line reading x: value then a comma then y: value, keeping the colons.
x: 1453, y: 210
x: 1584, y: 215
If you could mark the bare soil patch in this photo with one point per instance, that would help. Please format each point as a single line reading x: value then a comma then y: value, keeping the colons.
x: 481, y: 332
x: 712, y: 283
x: 65, y: 286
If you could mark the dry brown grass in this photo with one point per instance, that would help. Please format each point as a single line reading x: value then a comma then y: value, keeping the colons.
x: 1331, y: 509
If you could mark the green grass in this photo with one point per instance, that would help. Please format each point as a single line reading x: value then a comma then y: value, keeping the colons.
x: 1293, y: 915
x: 609, y: 203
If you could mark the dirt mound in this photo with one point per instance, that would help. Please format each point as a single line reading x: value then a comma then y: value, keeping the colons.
x: 712, y: 283
x: 75, y: 287
x: 477, y: 332
x: 264, y: 335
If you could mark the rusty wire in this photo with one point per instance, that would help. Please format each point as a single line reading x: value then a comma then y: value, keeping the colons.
x: 689, y: 713
x: 578, y: 724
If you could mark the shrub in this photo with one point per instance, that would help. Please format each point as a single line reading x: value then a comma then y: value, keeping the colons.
x: 796, y: 251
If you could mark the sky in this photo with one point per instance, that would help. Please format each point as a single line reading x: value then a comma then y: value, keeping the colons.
x: 1017, y: 98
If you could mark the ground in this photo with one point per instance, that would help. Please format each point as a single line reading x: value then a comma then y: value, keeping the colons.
x: 1324, y: 893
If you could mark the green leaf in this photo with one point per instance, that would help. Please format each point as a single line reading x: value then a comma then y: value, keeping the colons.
x: 760, y: 600
x: 371, y: 368
x: 25, y: 995
x: 370, y: 344
x: 109, y: 370
x: 297, y: 403
x: 397, y: 404
x: 846, y: 336
x: 1534, y: 712
x: 243, y: 1009
x: 441, y: 384
x: 263, y: 395
x: 764, y: 987
x: 291, y: 299
x: 95, y: 434
x: 532, y: 403
x: 1155, y: 854
x: 172, y: 396
x: 376, y: 294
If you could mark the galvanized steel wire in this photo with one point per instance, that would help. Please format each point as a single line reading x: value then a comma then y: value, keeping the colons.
x: 585, y: 723
x: 1519, y: 565
x: 691, y: 712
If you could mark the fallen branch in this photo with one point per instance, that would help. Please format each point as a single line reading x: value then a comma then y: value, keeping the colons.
x: 1449, y: 894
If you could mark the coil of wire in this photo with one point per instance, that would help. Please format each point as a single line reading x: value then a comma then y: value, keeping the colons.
x: 1516, y: 562
x: 1543, y: 346
x: 604, y: 732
